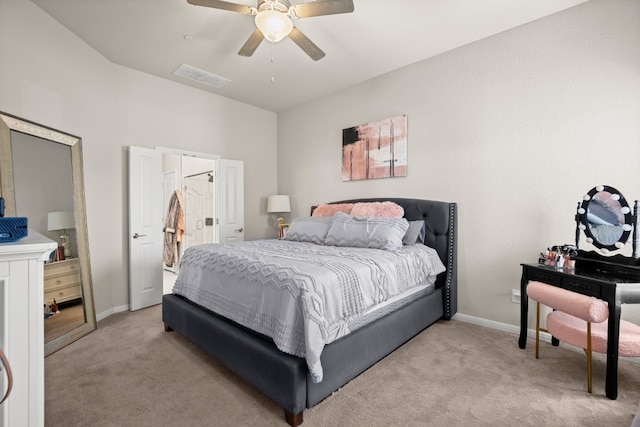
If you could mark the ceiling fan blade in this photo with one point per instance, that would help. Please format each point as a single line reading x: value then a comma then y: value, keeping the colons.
x: 305, y: 44
x: 322, y: 7
x: 224, y: 5
x: 252, y: 43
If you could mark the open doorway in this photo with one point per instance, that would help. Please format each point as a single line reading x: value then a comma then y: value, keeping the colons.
x: 199, y: 208
x: 147, y: 240
x: 189, y: 182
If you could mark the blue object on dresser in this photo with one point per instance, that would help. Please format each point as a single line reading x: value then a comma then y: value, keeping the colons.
x: 11, y: 229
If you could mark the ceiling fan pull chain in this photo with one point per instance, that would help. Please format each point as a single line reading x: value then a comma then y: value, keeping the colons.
x: 273, y: 60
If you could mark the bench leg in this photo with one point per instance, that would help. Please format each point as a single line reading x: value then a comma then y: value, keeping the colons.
x: 537, y: 330
x: 589, y: 352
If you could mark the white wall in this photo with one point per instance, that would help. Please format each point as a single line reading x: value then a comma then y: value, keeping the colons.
x: 49, y: 76
x: 515, y: 128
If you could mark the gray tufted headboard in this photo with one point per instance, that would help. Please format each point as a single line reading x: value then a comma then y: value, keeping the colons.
x: 440, y: 233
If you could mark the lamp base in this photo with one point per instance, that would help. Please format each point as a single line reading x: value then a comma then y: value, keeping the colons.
x: 65, y: 244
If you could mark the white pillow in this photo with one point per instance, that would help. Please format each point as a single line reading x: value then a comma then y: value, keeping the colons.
x: 309, y: 229
x: 378, y: 233
x: 415, y: 233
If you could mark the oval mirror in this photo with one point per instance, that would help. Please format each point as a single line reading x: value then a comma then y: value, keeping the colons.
x: 605, y: 217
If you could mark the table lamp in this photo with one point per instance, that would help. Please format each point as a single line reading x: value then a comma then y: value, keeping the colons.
x: 279, y: 204
x: 64, y: 221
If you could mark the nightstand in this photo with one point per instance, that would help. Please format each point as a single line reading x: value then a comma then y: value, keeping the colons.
x: 62, y: 281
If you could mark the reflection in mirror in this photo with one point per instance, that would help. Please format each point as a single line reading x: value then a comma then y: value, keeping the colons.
x: 46, y: 198
x: 41, y: 178
x: 605, y: 217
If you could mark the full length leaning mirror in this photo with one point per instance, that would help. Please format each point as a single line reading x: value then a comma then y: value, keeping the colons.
x: 41, y: 178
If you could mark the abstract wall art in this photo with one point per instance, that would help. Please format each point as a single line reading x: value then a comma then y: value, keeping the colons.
x: 375, y: 150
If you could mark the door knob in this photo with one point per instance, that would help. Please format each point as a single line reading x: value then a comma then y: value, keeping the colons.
x: 136, y: 235
x: 240, y: 230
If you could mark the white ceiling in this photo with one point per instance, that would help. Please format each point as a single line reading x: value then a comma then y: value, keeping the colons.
x: 379, y: 36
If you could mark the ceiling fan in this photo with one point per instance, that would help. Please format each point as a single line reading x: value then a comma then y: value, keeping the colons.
x: 273, y: 20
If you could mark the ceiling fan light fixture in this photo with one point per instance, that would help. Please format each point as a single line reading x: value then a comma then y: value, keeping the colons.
x: 273, y: 25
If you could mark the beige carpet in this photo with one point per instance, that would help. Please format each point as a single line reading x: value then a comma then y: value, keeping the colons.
x: 131, y: 373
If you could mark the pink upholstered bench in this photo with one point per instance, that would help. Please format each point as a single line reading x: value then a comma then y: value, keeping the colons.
x: 581, y: 321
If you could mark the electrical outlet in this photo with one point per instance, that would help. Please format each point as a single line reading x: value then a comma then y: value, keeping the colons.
x: 515, y: 296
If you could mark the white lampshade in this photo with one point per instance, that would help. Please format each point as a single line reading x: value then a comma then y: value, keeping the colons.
x: 60, y: 221
x: 278, y: 203
x: 273, y: 25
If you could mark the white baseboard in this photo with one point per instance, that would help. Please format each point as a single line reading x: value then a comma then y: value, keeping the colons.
x: 112, y: 310
x: 505, y: 327
x: 515, y: 330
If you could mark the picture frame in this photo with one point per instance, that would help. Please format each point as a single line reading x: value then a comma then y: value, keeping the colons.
x: 375, y: 150
x: 283, y: 229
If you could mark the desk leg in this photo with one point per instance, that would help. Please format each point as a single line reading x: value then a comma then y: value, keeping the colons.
x: 613, y: 340
x: 524, y: 311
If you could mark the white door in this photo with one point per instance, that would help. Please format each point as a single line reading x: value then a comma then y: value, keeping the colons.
x: 145, y: 227
x: 230, y: 196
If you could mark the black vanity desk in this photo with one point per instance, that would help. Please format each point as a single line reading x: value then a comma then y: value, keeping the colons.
x: 614, y: 283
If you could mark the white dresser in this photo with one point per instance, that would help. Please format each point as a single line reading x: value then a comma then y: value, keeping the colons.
x: 22, y: 327
x: 62, y: 281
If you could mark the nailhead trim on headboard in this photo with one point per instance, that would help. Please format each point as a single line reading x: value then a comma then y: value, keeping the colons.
x: 450, y: 266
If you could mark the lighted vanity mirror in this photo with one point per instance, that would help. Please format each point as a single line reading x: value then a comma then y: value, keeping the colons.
x: 605, y: 217
x: 41, y: 178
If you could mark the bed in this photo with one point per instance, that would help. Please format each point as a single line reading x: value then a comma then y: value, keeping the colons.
x: 286, y: 378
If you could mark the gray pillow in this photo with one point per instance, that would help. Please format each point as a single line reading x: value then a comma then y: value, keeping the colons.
x: 309, y: 229
x: 415, y: 233
x: 357, y: 232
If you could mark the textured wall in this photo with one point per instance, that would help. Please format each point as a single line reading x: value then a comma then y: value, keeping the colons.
x: 515, y: 128
x: 51, y: 77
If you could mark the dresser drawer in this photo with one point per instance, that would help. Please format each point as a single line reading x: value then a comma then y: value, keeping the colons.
x: 582, y: 286
x: 543, y: 276
x: 63, y: 294
x: 62, y: 267
x: 62, y: 281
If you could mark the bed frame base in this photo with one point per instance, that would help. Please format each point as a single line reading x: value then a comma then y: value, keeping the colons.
x: 256, y: 359
x: 285, y: 378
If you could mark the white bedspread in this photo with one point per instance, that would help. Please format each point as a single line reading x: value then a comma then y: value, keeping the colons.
x: 302, y: 295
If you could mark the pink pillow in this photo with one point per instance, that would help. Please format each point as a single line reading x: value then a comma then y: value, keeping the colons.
x: 378, y: 210
x: 329, y: 210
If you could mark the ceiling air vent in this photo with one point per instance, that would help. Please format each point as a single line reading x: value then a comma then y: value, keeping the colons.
x: 200, y: 76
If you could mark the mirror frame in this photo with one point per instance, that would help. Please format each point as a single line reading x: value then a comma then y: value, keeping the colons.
x: 583, y: 222
x: 9, y: 123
